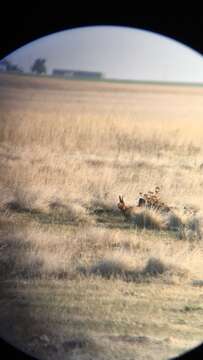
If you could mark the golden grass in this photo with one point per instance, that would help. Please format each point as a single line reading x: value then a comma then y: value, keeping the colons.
x: 121, y: 268
x: 149, y: 219
x: 67, y: 151
x: 66, y: 163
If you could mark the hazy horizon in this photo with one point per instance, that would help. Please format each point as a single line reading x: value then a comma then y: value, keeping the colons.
x: 120, y: 53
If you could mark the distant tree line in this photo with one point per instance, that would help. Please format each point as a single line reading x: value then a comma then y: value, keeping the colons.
x: 38, y: 66
x: 10, y: 67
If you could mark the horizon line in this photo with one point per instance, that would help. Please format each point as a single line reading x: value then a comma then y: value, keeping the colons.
x: 105, y: 79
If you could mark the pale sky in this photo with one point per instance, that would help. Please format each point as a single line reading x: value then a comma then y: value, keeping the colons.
x: 118, y: 52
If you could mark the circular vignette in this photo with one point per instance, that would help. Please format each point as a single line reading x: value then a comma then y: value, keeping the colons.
x: 66, y: 141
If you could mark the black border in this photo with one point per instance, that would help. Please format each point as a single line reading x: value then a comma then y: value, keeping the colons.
x: 20, y: 24
x: 23, y: 25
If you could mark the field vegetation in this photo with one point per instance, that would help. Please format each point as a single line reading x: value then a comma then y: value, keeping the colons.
x: 77, y: 278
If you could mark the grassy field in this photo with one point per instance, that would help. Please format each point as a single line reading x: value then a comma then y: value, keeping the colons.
x: 77, y: 279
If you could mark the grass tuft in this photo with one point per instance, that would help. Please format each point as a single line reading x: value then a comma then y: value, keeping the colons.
x: 123, y: 269
x: 149, y: 219
x: 155, y: 267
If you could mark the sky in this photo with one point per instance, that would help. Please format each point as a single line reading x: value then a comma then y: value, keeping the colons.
x: 118, y: 52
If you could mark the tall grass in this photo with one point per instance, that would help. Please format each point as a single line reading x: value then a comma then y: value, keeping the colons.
x: 64, y: 162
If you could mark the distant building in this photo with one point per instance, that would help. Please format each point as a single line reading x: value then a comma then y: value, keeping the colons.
x: 77, y: 74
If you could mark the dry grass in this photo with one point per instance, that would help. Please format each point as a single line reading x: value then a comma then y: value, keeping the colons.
x: 67, y: 151
x: 150, y: 219
x: 121, y: 268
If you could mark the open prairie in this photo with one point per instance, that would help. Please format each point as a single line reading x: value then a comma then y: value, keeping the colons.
x: 79, y: 279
